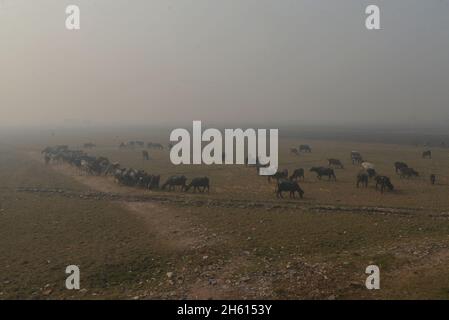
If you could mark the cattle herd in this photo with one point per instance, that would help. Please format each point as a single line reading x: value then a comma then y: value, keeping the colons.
x: 101, y: 166
x: 364, y: 176
x: 141, y: 144
x: 284, y: 182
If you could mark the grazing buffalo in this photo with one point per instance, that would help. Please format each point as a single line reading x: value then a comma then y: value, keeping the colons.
x: 198, y: 183
x: 427, y: 154
x: 132, y: 144
x: 290, y: 186
x: 433, y: 179
x: 152, y: 145
x: 322, y: 171
x: 335, y: 163
x: 356, y: 157
x: 371, y: 172
x: 175, y: 181
x: 399, y: 165
x: 294, y: 151
x: 148, y: 181
x: 102, y: 166
x: 362, y: 179
x: 76, y: 158
x: 279, y: 175
x: 145, y: 155
x: 297, y: 174
x: 127, y: 145
x: 111, y: 168
x: 407, y: 172
x: 305, y: 148
x: 131, y: 177
x: 384, y: 183
x: 152, y: 181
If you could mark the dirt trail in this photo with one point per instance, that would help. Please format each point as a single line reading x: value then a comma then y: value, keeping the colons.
x: 172, y: 230
x: 175, y: 232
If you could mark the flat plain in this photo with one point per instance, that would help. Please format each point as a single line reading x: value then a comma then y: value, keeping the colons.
x: 236, y: 242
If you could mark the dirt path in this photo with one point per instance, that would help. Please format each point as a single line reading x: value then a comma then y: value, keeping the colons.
x: 174, y: 231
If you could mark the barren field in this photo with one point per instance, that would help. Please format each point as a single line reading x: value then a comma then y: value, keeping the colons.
x: 238, y: 241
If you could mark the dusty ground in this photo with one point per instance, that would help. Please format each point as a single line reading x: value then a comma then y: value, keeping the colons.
x: 239, y: 241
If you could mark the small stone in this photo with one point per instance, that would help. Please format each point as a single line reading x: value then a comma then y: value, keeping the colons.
x: 47, y: 292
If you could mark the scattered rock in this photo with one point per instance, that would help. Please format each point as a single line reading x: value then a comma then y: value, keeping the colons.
x: 47, y: 292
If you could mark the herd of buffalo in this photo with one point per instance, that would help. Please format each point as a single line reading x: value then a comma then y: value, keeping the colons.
x: 284, y: 182
x: 123, y: 176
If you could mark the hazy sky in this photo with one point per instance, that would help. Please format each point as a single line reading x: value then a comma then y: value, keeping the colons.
x: 227, y: 61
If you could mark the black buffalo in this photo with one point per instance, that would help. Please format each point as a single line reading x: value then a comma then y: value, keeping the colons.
x: 279, y: 175
x: 290, y: 186
x: 297, y: 174
x: 371, y: 172
x: 200, y: 184
x: 335, y: 163
x: 322, y: 171
x: 384, y: 183
x: 407, y: 172
x: 175, y: 181
x: 362, y: 179
x: 399, y: 165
